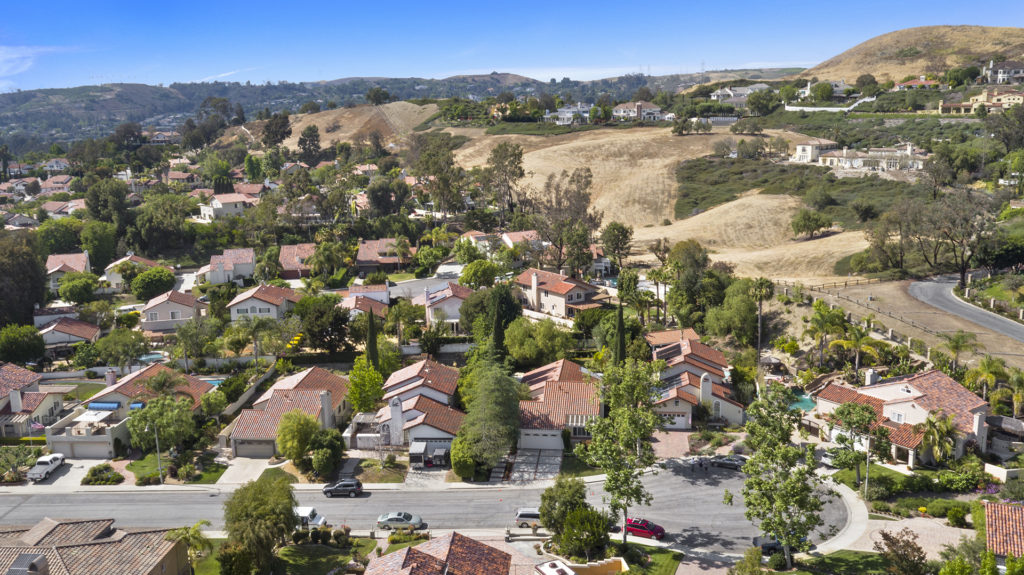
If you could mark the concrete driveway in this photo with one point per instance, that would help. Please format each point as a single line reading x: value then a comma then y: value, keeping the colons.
x: 534, y: 464
x: 70, y: 474
x: 426, y: 478
x: 242, y: 469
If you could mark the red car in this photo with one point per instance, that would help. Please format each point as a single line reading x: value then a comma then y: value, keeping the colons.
x: 644, y: 528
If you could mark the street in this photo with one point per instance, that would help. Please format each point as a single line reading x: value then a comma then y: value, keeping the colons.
x: 938, y: 292
x: 689, y: 506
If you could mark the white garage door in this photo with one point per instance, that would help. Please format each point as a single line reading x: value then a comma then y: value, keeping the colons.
x: 77, y: 450
x: 540, y: 439
x: 677, y: 422
x: 254, y: 449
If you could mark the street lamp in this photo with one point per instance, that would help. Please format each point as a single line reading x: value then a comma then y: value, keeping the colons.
x: 159, y: 469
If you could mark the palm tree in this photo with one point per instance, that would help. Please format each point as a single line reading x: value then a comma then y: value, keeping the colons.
x: 859, y: 340
x: 438, y: 236
x: 327, y: 259
x: 402, y: 250
x: 761, y: 289
x: 660, y: 276
x: 164, y: 382
x: 823, y: 323
x: 311, y: 286
x: 939, y: 436
x: 253, y: 328
x: 989, y: 371
x: 960, y: 342
x: 196, y: 543
x: 1016, y: 383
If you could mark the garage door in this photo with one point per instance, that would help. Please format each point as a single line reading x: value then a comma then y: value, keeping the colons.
x: 254, y: 449
x: 79, y: 450
x: 677, y: 422
x: 540, y: 439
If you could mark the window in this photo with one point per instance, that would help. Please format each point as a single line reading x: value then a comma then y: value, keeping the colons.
x: 241, y: 311
x: 716, y: 410
x: 252, y: 309
x: 897, y: 416
x: 264, y: 310
x: 153, y: 316
x: 175, y: 315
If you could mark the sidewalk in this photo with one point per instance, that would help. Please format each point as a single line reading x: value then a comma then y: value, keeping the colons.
x: 855, y: 527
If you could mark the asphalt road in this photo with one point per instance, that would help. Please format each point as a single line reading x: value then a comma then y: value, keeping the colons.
x: 938, y: 292
x: 689, y: 506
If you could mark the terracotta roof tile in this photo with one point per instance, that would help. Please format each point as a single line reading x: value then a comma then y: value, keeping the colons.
x: 73, y: 327
x: 365, y: 305
x: 452, y: 554
x: 434, y: 375
x: 134, y: 259
x: 669, y: 336
x: 267, y: 293
x: 552, y: 282
x: 449, y: 290
x: 76, y: 262
x: 173, y: 296
x: 434, y: 414
x: 293, y: 257
x: 13, y: 377
x: 312, y: 379
x: 380, y: 251
x: 133, y: 385
x: 560, y: 400
x: 262, y: 423
x: 1004, y: 529
x: 561, y: 370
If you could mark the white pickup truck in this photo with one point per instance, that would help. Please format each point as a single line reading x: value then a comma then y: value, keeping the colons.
x: 46, y: 465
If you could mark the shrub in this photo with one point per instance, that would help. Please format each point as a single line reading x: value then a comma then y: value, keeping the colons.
x: 777, y: 562
x: 341, y: 535
x: 390, y: 460
x: 186, y: 472
x: 960, y: 481
x: 942, y: 507
x: 314, y: 536
x: 102, y: 474
x: 911, y: 503
x: 299, y: 536
x: 877, y: 490
x: 957, y: 517
x: 881, y: 507
x: 1013, y: 490
x: 172, y: 471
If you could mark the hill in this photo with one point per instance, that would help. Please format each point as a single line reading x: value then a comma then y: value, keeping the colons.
x: 924, y: 50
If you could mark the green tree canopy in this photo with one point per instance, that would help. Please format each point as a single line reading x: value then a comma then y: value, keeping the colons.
x: 121, y: 347
x: 60, y: 236
x: 258, y: 515
x: 809, y: 222
x: 365, y: 387
x: 78, y: 287
x: 533, y: 344
x: 479, y: 273
x: 23, y: 281
x: 557, y: 501
x: 21, y: 343
x: 294, y: 433
x: 152, y: 283
x: 491, y: 424
x: 169, y: 417
x: 324, y: 324
x: 100, y: 240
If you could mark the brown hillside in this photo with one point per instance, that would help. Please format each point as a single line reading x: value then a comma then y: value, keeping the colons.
x: 924, y: 50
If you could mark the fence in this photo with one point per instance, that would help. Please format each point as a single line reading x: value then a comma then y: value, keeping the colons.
x: 254, y: 386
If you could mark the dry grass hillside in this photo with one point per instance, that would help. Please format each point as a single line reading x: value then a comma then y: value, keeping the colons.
x: 928, y: 49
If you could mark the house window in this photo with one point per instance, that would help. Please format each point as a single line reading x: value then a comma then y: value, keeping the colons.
x: 580, y: 432
x: 252, y: 309
x: 175, y: 315
x: 716, y: 409
x: 153, y: 316
x: 241, y: 311
x: 264, y: 310
x: 897, y: 416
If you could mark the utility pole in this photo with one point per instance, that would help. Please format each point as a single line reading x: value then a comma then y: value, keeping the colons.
x: 159, y: 468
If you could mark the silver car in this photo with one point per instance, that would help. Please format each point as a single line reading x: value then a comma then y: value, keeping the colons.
x: 399, y: 520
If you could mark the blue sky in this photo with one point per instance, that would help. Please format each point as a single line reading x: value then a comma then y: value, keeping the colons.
x: 60, y: 43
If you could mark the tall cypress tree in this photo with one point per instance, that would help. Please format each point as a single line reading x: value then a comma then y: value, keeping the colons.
x: 371, y: 341
x: 498, y: 335
x: 620, y: 337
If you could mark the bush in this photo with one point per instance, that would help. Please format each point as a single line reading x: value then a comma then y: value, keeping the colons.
x: 314, y: 536
x: 462, y: 460
x: 881, y: 507
x: 877, y: 490
x: 777, y: 562
x: 299, y: 536
x: 102, y: 474
x: 942, y: 507
x: 957, y: 517
x: 187, y: 472
x: 911, y: 503
x: 959, y: 481
x: 341, y: 535
x: 172, y: 471
x: 1013, y: 490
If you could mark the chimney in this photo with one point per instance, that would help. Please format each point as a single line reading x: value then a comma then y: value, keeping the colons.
x: 845, y: 151
x: 980, y: 429
x: 535, y: 289
x: 111, y: 377
x: 705, y: 388
x: 870, y: 377
x: 639, y: 111
x: 426, y: 306
x: 326, y: 410
x: 923, y: 78
x: 396, y: 422
x: 15, y: 397
x: 910, y: 149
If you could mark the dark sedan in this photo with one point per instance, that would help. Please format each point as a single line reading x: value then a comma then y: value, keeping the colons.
x: 349, y: 487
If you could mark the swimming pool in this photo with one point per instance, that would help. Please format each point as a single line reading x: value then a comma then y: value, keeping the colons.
x: 803, y: 401
x: 214, y: 382
x: 151, y: 357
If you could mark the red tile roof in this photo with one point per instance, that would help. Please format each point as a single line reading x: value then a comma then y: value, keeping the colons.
x: 133, y: 385
x: 694, y: 353
x: 31, y: 400
x: 524, y: 236
x: 262, y: 423
x: 560, y: 400
x: 669, y: 336
x: 312, y: 379
x: 380, y: 251
x: 72, y: 327
x: 689, y: 380
x: 561, y: 370
x: 70, y: 262
x: 552, y: 282
x: 434, y: 414
x: 1004, y: 529
x: 249, y: 189
x: 453, y: 554
x: 294, y: 257
x: 678, y: 393
x: 134, y: 259
x: 14, y: 377
x: 373, y: 288
x: 365, y: 305
x: 233, y: 256
x: 943, y: 393
x: 234, y: 199
x: 271, y: 294
x: 449, y: 290
x: 902, y: 434
x: 435, y: 375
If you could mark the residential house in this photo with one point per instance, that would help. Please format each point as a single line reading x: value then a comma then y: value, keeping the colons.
x: 994, y: 101
x: 130, y: 392
x: 19, y: 221
x: 560, y: 405
x: 600, y: 265
x: 167, y: 311
x: 555, y: 294
x: 418, y: 399
x: 561, y: 370
x: 291, y: 168
x: 60, y: 334
x: 254, y: 190
x: 357, y: 304
x: 452, y: 554
x: 315, y: 391
x: 89, y: 547
x: 737, y: 94
x: 1004, y: 529
x: 183, y: 178
x: 1006, y: 72
x: 838, y: 88
x: 56, y: 209
x: 695, y: 373
x: 44, y: 315
x: 380, y: 255
x: 480, y: 240
x: 233, y: 265
x: 263, y: 301
x: 637, y: 111
x: 920, y: 83
x: 111, y: 275
x: 293, y: 260
x: 24, y: 406
x: 443, y: 304
x: 59, y: 264
x: 226, y: 206
x: 165, y: 138
x: 378, y: 292
x: 902, y: 402
x: 657, y: 339
x: 809, y: 151
x: 56, y: 185
x: 578, y: 113
x: 56, y: 165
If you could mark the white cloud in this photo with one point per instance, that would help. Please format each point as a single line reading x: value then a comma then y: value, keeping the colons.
x: 17, y: 59
x: 225, y: 74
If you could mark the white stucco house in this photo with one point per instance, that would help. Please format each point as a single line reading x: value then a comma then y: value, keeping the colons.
x: 233, y: 265
x: 555, y: 294
x: 226, y: 206
x: 263, y: 301
x: 167, y: 311
x: 59, y: 264
x: 442, y: 304
x: 111, y: 274
x: 417, y: 406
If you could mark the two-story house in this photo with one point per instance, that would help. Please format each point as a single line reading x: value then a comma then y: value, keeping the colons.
x: 233, y: 265
x: 417, y: 406
x: 443, y: 304
x: 226, y: 206
x: 557, y: 406
x: 293, y: 260
x: 555, y: 294
x: 167, y: 311
x: 808, y: 151
x: 380, y: 255
x: 60, y: 334
x: 636, y: 111
x: 263, y: 301
x: 25, y: 407
x: 694, y: 374
x: 1005, y: 72
x: 59, y: 264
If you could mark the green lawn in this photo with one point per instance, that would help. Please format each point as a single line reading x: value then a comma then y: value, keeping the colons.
x: 848, y: 477
x: 85, y: 390
x: 208, y: 565
x: 147, y: 465
x: 369, y: 471
x: 392, y: 547
x: 663, y: 561
x: 211, y: 471
x: 575, y: 467
x: 401, y: 277
x: 847, y: 562
x: 277, y: 473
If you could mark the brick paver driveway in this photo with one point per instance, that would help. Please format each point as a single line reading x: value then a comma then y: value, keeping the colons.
x: 669, y: 444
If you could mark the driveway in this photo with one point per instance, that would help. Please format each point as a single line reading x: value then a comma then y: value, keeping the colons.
x: 669, y: 444
x: 535, y: 464
x: 426, y: 478
x: 932, y: 534
x: 70, y: 474
x: 938, y: 292
x: 242, y: 469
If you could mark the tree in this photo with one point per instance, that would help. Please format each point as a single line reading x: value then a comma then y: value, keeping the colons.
x: 532, y: 344
x: 505, y: 170
x: 196, y: 337
x: 21, y: 343
x: 371, y: 341
x: 491, y: 424
x: 502, y: 308
x: 365, y: 387
x: 762, y: 102
x: 1015, y: 381
x: 253, y: 328
x: 23, y: 281
x: 823, y: 323
x: 962, y: 222
x: 294, y: 432
x: 258, y: 515
x: 557, y: 501
x: 479, y: 274
x: 253, y: 169
x: 989, y: 371
x: 957, y: 566
x: 750, y: 564
x: 781, y: 492
x: 214, y: 403
x: 466, y: 252
x: 855, y: 419
x: 860, y: 341
x: 562, y: 204
x: 959, y: 342
x: 60, y: 236
x: 309, y: 144
x: 152, y: 283
x: 164, y: 382
x: 620, y: 443
x: 121, y: 347
x: 377, y: 96
x: 761, y: 290
x: 1008, y: 127
x: 938, y: 436
x: 196, y: 544
x: 100, y: 240
x: 78, y: 287
x: 902, y: 553
x: 276, y: 130
x: 170, y: 418
x: 106, y: 201
x: 585, y: 533
x: 616, y: 238
x: 822, y: 92
x: 324, y: 323
x: 809, y: 222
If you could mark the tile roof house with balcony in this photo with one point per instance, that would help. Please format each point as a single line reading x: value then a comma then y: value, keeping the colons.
x: 452, y: 554
x: 263, y: 301
x: 559, y: 405
x: 131, y: 389
x: 89, y: 547
x: 293, y: 260
x: 380, y: 255
x: 59, y: 264
x: 555, y: 294
x: 561, y: 370
x: 22, y: 402
x: 406, y: 417
x: 233, y: 265
x: 695, y: 373
x: 167, y: 311
x: 902, y: 402
x: 808, y: 151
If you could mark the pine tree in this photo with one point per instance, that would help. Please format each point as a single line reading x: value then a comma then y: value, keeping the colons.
x: 371, y: 341
x: 620, y: 337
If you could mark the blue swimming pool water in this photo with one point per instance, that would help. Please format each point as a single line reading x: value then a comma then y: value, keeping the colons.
x: 803, y: 401
x: 215, y: 382
x: 151, y: 357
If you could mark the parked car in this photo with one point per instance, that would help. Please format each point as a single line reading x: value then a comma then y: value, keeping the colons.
x: 729, y: 461
x: 308, y: 517
x: 398, y: 520
x: 829, y: 458
x: 527, y: 516
x: 350, y: 487
x: 768, y: 545
x: 644, y: 528
x: 45, y: 466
